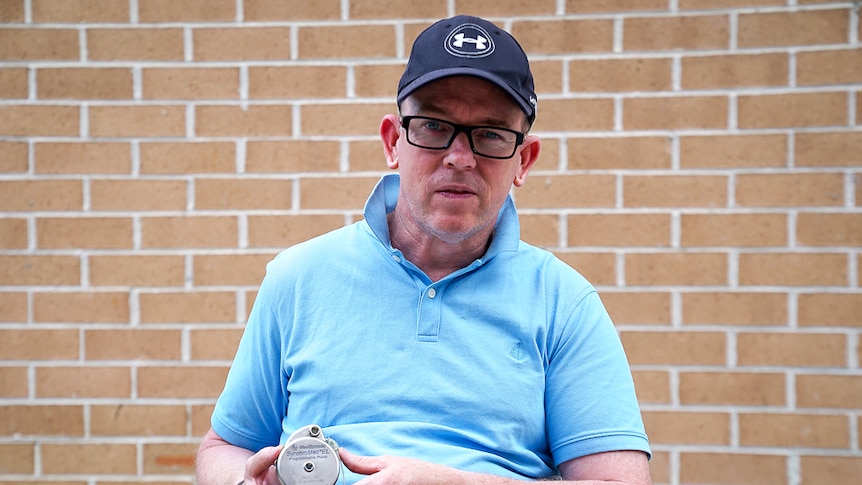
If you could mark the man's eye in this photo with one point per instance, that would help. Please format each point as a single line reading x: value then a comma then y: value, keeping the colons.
x: 490, y: 135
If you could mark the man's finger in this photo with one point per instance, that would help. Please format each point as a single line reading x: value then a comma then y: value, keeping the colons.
x: 259, y: 463
x: 363, y: 465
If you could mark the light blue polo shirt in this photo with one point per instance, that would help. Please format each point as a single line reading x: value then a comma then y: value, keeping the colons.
x: 509, y: 366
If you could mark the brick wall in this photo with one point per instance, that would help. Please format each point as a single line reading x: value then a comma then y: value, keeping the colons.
x: 702, y: 166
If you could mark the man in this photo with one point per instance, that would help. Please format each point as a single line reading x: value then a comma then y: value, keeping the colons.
x: 429, y: 341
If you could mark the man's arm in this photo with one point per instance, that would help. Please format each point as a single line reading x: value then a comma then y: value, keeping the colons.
x: 614, y: 467
x: 221, y: 463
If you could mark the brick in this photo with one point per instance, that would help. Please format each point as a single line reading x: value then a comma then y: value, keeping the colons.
x: 653, y: 387
x: 354, y: 41
x: 135, y: 44
x: 200, y: 418
x: 837, y: 149
x: 564, y: 36
x: 214, y: 344
x: 828, y: 391
x: 367, y: 156
x: 81, y: 307
x: 335, y: 193
x: 792, y: 110
x: 547, y: 76
x: 13, y: 307
x: 40, y: 270
x: 691, y: 428
x: 734, y: 71
x: 243, y: 193
x: 39, y: 120
x: 137, y: 420
x: 14, y: 157
x: 733, y: 151
x: 291, y: 156
x: 189, y: 232
x: 767, y: 29
x: 716, y: 4
x: 13, y: 383
x: 380, y: 80
x: 83, y: 382
x: 34, y: 44
x: 90, y: 458
x: 255, y: 120
x: 191, y: 83
x: 830, y: 309
x: 675, y: 113
x: 792, y: 350
x: 242, y: 43
x: 343, y: 119
x: 13, y: 233
x: 619, y: 75
x: 567, y: 191
x: 133, y: 344
x: 830, y: 469
x: 674, y: 348
x: 230, y: 270
x: 829, y: 67
x: 286, y: 230
x: 793, y: 430
x: 819, y: 229
x: 151, y: 11
x: 789, y: 269
x: 733, y: 230
x: 17, y: 458
x: 82, y: 158
x: 638, y: 307
x: 137, y: 270
x: 187, y: 157
x: 626, y: 153
x: 551, y: 152
x: 601, y: 6
x: 649, y: 230
x: 736, y: 469
x: 181, y: 382
x: 732, y: 388
x: 696, y: 32
x: 169, y: 458
x: 41, y: 195
x: 738, y: 309
x: 137, y: 121
x: 399, y: 9
x: 41, y: 420
x: 39, y: 344
x: 540, y: 229
x: 80, y: 11
x: 790, y: 190
x: 262, y: 10
x: 575, y: 115
x: 14, y: 83
x: 297, y: 82
x: 12, y: 12
x: 84, y: 83
x: 84, y: 233
x: 188, y: 307
x: 598, y: 268
x: 138, y: 195
x: 675, y: 191
x: 660, y: 467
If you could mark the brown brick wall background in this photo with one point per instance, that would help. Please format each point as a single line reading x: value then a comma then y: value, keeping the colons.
x: 702, y: 166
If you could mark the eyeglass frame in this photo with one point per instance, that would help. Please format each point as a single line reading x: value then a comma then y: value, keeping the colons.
x: 520, y: 136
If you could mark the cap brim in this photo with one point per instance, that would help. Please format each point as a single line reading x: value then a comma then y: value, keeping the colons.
x: 465, y: 71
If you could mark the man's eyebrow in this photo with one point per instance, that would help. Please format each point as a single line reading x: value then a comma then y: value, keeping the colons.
x: 433, y: 109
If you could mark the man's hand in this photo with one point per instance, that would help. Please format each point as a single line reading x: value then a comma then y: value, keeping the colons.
x: 392, y: 470
x: 259, y: 469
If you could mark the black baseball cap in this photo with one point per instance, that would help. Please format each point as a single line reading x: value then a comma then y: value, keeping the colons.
x: 470, y: 46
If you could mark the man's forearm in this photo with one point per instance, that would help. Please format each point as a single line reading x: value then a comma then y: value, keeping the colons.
x: 219, y: 463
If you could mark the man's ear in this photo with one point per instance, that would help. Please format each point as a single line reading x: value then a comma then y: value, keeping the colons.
x: 390, y: 131
x: 528, y: 154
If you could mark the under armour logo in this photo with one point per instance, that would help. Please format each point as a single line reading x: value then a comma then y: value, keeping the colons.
x: 469, y: 40
x: 479, y: 41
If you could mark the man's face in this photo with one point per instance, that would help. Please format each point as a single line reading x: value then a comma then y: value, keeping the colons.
x: 454, y: 194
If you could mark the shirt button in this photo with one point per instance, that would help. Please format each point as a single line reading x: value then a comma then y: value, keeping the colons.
x: 396, y: 258
x: 432, y: 292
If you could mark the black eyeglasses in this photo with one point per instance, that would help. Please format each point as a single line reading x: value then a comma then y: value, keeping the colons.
x: 485, y: 141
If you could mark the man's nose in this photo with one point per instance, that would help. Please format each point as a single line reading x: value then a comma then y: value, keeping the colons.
x: 460, y: 153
